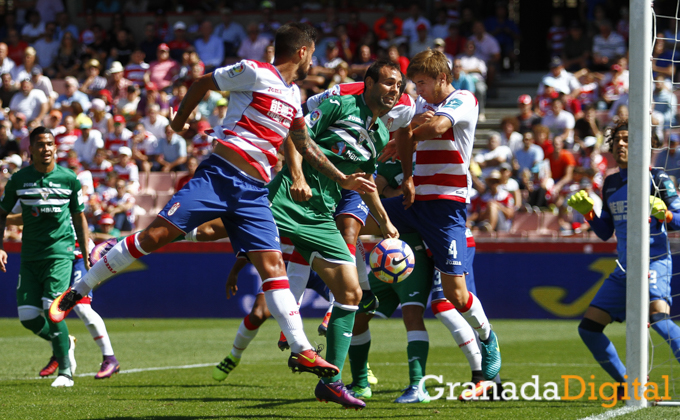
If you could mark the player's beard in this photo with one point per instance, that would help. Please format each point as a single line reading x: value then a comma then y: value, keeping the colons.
x: 302, y: 71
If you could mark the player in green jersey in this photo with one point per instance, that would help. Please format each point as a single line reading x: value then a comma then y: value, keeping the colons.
x: 50, y: 197
x: 350, y: 134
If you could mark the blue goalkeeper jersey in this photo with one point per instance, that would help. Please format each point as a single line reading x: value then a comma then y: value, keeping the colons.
x: 614, y: 214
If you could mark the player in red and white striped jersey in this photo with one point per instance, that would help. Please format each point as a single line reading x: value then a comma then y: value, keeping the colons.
x: 265, y: 107
x: 435, y: 196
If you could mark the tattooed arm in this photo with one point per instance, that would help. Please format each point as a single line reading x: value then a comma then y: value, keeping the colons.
x: 312, y: 154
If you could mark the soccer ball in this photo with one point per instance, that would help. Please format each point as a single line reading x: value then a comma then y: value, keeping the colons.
x: 391, y: 260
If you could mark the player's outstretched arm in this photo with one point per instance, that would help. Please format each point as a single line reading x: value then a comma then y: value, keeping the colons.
x: 374, y: 204
x: 300, y: 190
x: 3, y: 254
x: 312, y: 154
x: 194, y: 95
x: 82, y: 233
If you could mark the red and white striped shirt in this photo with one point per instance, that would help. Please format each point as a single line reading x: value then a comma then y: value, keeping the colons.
x: 261, y: 109
x: 129, y: 172
x: 442, y: 170
x: 114, y: 141
x: 99, y: 172
x: 64, y: 142
x: 399, y: 116
x: 135, y: 73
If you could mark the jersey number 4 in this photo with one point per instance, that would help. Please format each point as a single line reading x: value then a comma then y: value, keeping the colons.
x: 453, y: 250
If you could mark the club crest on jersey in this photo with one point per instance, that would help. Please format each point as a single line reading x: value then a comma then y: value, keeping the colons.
x: 173, y: 209
x: 339, y: 148
x: 236, y: 70
x: 314, y: 117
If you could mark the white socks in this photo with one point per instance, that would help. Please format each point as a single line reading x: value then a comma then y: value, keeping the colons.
x: 476, y: 317
x: 116, y: 260
x: 463, y: 335
x: 95, y: 325
x: 360, y: 259
x: 246, y: 332
x: 298, y: 271
x: 284, y: 309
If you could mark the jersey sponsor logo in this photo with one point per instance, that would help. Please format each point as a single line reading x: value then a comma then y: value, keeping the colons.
x: 173, y: 209
x: 339, y: 148
x: 355, y: 119
x: 314, y: 117
x: 280, y: 112
x: 236, y: 70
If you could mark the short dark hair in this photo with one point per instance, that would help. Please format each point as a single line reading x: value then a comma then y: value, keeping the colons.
x: 38, y: 131
x: 291, y: 37
x: 373, y: 71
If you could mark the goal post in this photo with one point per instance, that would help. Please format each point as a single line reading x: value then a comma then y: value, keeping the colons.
x: 639, y: 156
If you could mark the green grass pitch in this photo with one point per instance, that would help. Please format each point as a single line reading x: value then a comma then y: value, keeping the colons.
x: 263, y: 387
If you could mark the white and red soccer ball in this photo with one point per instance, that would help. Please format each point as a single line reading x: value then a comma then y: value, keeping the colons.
x: 391, y: 260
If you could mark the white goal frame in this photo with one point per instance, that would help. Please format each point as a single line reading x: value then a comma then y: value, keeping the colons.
x: 639, y: 156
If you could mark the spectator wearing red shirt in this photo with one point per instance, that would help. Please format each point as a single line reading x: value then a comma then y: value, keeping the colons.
x: 356, y: 29
x: 378, y: 26
x: 179, y: 44
x: 163, y: 70
x: 494, y: 209
x: 455, y: 42
x: 192, y: 165
x: 394, y: 56
x: 562, y: 163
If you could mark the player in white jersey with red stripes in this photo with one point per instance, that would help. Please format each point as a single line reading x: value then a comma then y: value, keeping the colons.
x: 435, y: 196
x: 230, y: 184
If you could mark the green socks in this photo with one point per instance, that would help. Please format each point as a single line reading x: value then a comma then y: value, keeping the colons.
x: 358, y: 358
x: 60, y: 345
x: 38, y: 326
x: 417, y: 349
x: 339, y: 336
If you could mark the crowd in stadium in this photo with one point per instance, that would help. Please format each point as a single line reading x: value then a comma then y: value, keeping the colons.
x: 107, y: 94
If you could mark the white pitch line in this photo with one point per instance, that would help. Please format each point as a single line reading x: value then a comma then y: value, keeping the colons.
x: 613, y: 413
x: 200, y: 365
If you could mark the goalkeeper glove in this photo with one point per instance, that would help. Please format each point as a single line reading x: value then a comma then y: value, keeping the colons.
x: 659, y: 209
x: 582, y: 203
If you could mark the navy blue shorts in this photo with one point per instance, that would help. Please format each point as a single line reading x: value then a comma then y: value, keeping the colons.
x: 441, y: 225
x: 219, y: 189
x: 78, y: 272
x: 611, y: 297
x: 438, y: 290
x: 351, y: 204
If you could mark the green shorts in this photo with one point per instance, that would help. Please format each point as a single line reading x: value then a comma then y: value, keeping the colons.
x: 43, y: 281
x: 415, y: 290
x: 313, y: 233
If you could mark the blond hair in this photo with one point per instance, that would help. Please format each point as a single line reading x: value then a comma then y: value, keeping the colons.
x: 431, y: 63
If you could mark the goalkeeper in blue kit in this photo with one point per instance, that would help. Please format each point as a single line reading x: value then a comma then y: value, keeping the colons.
x: 609, y: 304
